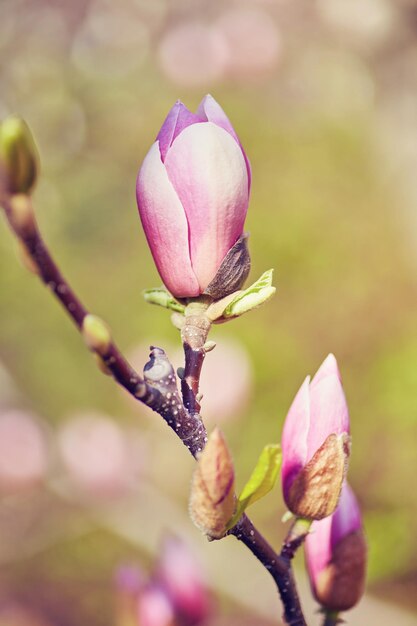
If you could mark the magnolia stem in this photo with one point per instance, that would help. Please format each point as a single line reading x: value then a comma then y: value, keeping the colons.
x: 295, y: 537
x: 277, y: 566
x: 194, y: 335
x: 331, y: 618
x: 158, y: 389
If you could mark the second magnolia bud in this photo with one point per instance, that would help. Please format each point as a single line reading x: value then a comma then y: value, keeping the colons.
x: 212, y: 500
x: 336, y: 556
x: 316, y: 445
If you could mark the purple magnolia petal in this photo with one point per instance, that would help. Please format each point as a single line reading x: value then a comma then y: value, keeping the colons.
x: 327, y: 533
x: 213, y: 112
x: 347, y: 517
x: 177, y: 119
x: 165, y: 226
x: 294, y: 436
x: 207, y: 169
x: 180, y: 574
x: 318, y: 548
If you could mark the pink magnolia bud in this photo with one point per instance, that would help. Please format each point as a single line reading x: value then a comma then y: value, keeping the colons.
x: 336, y: 555
x: 181, y: 576
x: 193, y: 193
x: 315, y: 444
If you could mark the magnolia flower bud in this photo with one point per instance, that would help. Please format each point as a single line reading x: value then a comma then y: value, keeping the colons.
x: 315, y: 444
x: 18, y: 157
x: 193, y: 193
x: 212, y: 501
x: 336, y: 556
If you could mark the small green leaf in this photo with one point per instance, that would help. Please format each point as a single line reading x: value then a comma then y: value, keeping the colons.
x: 261, y: 482
x: 252, y: 297
x: 163, y: 298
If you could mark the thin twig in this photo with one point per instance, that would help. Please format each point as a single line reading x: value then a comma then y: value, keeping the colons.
x: 331, y: 618
x: 277, y: 566
x: 194, y: 335
x: 295, y: 538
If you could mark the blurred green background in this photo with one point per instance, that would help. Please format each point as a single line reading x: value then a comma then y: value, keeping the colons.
x: 324, y: 98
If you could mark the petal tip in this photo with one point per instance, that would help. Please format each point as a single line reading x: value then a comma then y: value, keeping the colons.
x: 329, y: 367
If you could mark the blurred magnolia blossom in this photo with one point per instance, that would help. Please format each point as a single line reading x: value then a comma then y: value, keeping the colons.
x: 175, y: 592
x: 226, y: 379
x: 154, y: 608
x: 252, y: 41
x: 24, y: 454
x: 181, y: 575
x: 193, y: 53
x: 242, y: 43
x: 99, y: 456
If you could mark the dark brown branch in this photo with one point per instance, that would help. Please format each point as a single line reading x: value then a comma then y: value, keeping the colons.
x: 160, y: 375
x: 278, y: 566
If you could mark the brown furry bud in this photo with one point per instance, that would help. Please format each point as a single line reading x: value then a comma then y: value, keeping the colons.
x: 212, y: 500
x: 341, y: 584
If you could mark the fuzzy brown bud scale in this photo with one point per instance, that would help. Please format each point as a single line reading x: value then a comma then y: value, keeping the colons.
x: 341, y: 584
x: 315, y: 491
x: 213, y: 501
x: 233, y: 271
